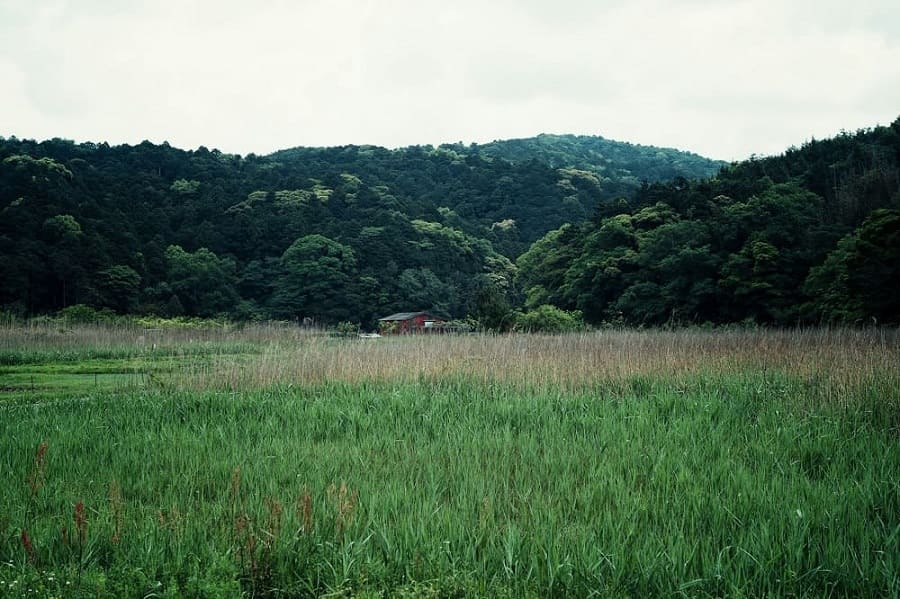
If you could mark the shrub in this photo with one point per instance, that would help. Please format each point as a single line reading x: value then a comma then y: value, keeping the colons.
x: 81, y: 313
x: 347, y: 329
x: 550, y: 319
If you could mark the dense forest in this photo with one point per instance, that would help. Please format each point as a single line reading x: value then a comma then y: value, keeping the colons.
x: 349, y: 233
x: 619, y: 233
x: 812, y: 235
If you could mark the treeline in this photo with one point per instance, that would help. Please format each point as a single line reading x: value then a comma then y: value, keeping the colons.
x: 625, y: 166
x: 810, y: 236
x: 549, y: 223
x: 330, y: 234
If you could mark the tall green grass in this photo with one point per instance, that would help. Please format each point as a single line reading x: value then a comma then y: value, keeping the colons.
x: 709, y: 468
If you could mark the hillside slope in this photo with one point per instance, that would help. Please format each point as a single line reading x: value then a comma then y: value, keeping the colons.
x: 812, y: 235
x: 329, y: 233
x: 626, y: 166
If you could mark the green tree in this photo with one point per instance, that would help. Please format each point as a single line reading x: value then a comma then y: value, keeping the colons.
x: 317, y: 281
x: 202, y: 282
x: 764, y: 277
x: 549, y: 319
x: 542, y: 269
x: 118, y: 287
x: 185, y: 187
x: 677, y: 257
x: 605, y: 267
x: 66, y: 257
x: 858, y: 280
x: 490, y: 304
x: 421, y: 289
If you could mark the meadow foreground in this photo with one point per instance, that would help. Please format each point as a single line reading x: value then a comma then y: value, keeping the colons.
x: 269, y: 461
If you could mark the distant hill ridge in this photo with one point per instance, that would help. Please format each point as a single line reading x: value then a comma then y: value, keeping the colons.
x: 624, y: 164
x: 153, y: 228
x: 597, y: 153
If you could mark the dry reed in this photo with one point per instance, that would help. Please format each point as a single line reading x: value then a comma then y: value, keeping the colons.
x: 838, y: 360
x: 274, y: 355
x: 44, y: 335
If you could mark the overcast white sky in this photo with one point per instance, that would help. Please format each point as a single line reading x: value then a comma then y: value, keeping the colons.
x: 722, y: 78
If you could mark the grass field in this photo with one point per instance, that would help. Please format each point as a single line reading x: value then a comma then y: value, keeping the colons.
x: 270, y: 461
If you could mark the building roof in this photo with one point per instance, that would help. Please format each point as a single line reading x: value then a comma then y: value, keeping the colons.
x: 407, y: 316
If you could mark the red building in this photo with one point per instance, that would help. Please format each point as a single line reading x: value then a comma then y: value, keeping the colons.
x: 410, y: 322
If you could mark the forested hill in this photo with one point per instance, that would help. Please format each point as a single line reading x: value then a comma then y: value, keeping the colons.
x: 625, y: 165
x: 347, y: 233
x: 510, y: 180
x: 812, y: 235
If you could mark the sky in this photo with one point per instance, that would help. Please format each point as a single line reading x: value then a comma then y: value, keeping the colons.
x: 724, y: 78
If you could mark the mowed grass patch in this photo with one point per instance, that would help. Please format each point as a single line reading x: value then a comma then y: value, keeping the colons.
x: 39, y: 386
x: 46, y: 378
x: 742, y: 482
x: 44, y: 361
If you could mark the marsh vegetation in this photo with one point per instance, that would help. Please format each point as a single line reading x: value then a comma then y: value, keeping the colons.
x: 266, y: 460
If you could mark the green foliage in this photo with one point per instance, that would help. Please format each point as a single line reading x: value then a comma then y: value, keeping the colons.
x: 542, y: 269
x: 421, y: 288
x: 852, y: 284
x: 748, y: 245
x: 157, y: 230
x: 201, y: 283
x: 185, y: 187
x: 604, y: 162
x: 317, y: 280
x: 347, y: 329
x: 72, y: 216
x: 45, y: 168
x: 62, y: 227
x: 549, y: 319
x: 179, y: 322
x: 491, y: 309
x: 118, y: 287
x: 80, y: 313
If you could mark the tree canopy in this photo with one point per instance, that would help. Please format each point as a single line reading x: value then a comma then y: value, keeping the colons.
x: 616, y: 232
x: 808, y: 236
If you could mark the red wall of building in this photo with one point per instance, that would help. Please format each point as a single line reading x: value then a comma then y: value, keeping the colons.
x: 416, y: 324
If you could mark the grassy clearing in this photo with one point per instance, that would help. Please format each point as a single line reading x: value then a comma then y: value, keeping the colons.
x: 48, y: 359
x: 626, y: 463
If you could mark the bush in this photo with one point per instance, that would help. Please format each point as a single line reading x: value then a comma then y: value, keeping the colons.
x: 550, y: 319
x: 347, y: 329
x: 180, y: 322
x: 81, y: 313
